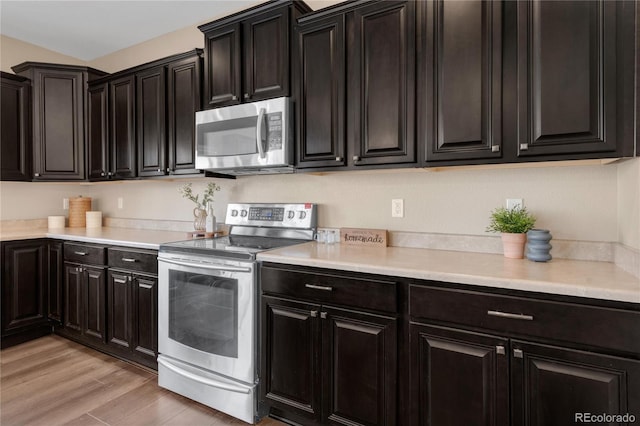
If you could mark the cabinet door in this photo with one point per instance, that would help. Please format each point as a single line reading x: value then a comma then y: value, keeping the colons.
x: 56, y: 282
x: 58, y: 117
x: 73, y: 300
x: 266, y: 55
x: 321, y: 74
x: 94, y: 303
x: 566, y: 76
x: 223, y: 66
x: 381, y: 76
x: 359, y: 367
x: 183, y: 100
x: 119, y: 309
x: 151, y: 122
x: 291, y: 357
x: 145, y: 317
x: 15, y: 128
x: 24, y: 290
x: 551, y: 386
x: 122, y: 127
x: 97, y: 132
x: 458, y: 378
x: 460, y: 79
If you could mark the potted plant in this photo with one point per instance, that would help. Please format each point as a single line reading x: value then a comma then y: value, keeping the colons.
x: 513, y: 224
x: 199, y: 212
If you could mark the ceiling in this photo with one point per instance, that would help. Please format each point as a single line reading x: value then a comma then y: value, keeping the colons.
x: 91, y: 29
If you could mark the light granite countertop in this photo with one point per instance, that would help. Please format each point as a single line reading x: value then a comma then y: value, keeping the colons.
x: 598, y: 280
x: 138, y: 238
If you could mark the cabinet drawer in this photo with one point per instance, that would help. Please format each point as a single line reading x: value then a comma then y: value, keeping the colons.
x: 134, y: 260
x: 82, y: 253
x: 332, y: 289
x: 589, y: 325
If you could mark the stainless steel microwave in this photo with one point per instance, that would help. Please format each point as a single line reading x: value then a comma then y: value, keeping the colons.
x: 250, y: 138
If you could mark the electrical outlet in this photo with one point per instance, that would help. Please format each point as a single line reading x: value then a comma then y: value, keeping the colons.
x: 397, y: 207
x: 65, y: 203
x: 513, y: 203
x: 120, y: 202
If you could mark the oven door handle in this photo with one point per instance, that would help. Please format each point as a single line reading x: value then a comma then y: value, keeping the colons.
x: 206, y: 266
x: 203, y: 380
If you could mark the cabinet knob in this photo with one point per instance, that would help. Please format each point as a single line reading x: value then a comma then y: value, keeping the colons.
x: 524, y: 146
x: 247, y: 96
x: 356, y: 158
x: 110, y: 173
x: 234, y: 98
x: 338, y: 158
x: 495, y: 148
x: 168, y: 170
x: 36, y: 174
x: 517, y: 353
x: 103, y: 174
x: 500, y: 350
x: 323, y: 315
x: 314, y: 314
x: 159, y: 170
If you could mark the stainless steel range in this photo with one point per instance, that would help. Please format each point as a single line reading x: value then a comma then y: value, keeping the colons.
x: 208, y: 305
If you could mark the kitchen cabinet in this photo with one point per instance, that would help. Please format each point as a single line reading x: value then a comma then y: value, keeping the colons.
x: 149, y: 129
x: 342, y: 368
x: 122, y: 127
x: 15, y: 127
x: 467, y: 346
x: 56, y: 283
x: 58, y: 111
x: 364, y: 52
x: 24, y: 291
x: 321, y: 75
x: 132, y: 304
x: 248, y: 54
x: 459, y: 106
x: 84, y: 293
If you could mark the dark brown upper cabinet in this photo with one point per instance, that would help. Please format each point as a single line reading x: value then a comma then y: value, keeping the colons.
x: 58, y: 105
x: 142, y: 119
x: 98, y: 131
x: 122, y: 127
x: 151, y: 121
x: 248, y: 54
x: 460, y: 79
x: 355, y: 76
x: 380, y: 84
x: 15, y: 127
x: 321, y: 75
x: 566, y: 77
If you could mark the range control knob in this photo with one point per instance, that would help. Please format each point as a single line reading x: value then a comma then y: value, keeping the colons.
x: 243, y: 213
x: 302, y: 214
x: 291, y: 214
x: 234, y: 213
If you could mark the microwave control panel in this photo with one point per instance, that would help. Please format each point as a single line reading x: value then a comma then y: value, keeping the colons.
x: 274, y: 131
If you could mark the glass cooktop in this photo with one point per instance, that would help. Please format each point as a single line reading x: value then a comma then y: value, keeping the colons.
x: 238, y: 246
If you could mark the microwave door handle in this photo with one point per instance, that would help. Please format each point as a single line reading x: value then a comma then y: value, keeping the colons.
x: 259, y: 133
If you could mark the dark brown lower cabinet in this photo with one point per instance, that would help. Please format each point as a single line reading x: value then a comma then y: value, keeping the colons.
x: 132, y: 304
x: 84, y: 298
x: 56, y: 282
x: 327, y: 365
x: 24, y: 291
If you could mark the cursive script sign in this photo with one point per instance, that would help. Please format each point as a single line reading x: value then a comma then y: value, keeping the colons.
x: 363, y: 237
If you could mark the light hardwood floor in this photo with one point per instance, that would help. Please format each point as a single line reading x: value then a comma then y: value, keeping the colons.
x: 53, y: 381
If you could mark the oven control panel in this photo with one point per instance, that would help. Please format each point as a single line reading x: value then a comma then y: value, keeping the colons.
x: 299, y: 216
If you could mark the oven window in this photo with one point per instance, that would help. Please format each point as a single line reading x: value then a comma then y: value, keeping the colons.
x: 229, y: 137
x: 203, y: 312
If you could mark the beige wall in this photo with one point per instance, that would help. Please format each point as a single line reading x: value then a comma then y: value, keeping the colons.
x: 14, y: 52
x: 629, y: 203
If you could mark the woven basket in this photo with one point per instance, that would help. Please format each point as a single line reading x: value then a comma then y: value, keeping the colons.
x: 78, y: 207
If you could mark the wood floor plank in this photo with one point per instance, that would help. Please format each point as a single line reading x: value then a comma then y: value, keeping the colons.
x: 69, y: 384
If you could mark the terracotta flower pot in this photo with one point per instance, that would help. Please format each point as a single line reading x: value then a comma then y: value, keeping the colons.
x: 513, y: 245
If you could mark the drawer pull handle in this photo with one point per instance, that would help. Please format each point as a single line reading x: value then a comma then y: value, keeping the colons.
x: 510, y: 316
x: 129, y: 259
x: 147, y: 286
x: 318, y: 287
x: 81, y: 253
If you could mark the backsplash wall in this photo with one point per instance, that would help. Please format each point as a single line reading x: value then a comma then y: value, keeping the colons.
x: 576, y: 203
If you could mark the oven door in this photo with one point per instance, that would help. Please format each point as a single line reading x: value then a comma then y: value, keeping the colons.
x: 207, y: 313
